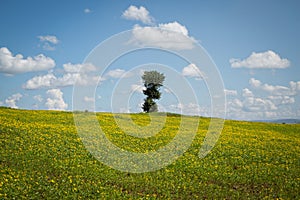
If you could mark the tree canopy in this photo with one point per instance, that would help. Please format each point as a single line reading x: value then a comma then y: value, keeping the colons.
x: 153, y: 80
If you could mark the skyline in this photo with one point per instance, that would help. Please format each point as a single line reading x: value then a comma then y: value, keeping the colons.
x: 255, y: 48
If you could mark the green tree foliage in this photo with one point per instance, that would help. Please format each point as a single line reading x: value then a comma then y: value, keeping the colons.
x: 153, y: 80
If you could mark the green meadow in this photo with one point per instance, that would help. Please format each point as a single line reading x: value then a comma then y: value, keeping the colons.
x: 42, y: 157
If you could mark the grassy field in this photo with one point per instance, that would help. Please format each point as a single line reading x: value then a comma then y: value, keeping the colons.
x: 42, y: 157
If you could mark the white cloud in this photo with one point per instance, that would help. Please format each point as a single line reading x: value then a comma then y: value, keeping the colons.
x: 55, y: 100
x: 13, y: 99
x: 138, y: 14
x: 10, y: 64
x: 295, y: 86
x: 264, y: 60
x: 38, y: 82
x: 192, y: 71
x: 51, y: 81
x: 49, y: 38
x: 70, y: 77
x: 87, y: 10
x: 247, y: 93
x: 75, y: 68
x: 48, y: 42
x: 174, y: 27
x: 170, y: 36
x: 249, y: 104
x: 254, y: 104
x: 282, y: 100
x: 276, y: 89
x: 230, y: 92
x: 235, y: 104
x: 38, y: 98
x: 265, y: 102
x: 250, y: 107
x: 254, y: 83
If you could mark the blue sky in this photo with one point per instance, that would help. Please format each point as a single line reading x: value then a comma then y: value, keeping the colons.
x: 254, y: 44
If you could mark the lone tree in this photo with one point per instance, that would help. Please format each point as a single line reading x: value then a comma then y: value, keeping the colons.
x: 152, y: 81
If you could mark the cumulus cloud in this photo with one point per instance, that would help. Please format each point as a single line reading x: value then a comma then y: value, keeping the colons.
x: 265, y: 101
x: 282, y: 100
x: 17, y: 64
x: 263, y: 60
x: 254, y: 104
x: 230, y: 92
x: 38, y: 82
x: 235, y: 104
x: 55, y: 100
x: 293, y: 89
x: 170, y: 36
x: 247, y: 93
x: 13, y: 99
x: 70, y: 77
x: 276, y: 90
x: 250, y: 107
x: 255, y: 83
x: 175, y: 27
x: 51, y: 81
x: 192, y: 71
x: 138, y: 14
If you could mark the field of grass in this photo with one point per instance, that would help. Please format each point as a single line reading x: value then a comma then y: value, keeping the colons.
x: 42, y: 157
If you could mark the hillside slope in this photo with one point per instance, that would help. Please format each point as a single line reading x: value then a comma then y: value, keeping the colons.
x: 42, y: 157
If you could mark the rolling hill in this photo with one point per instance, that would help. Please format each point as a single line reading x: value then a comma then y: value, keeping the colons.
x: 42, y: 157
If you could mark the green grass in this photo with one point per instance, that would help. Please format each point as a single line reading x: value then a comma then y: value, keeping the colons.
x: 42, y: 157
